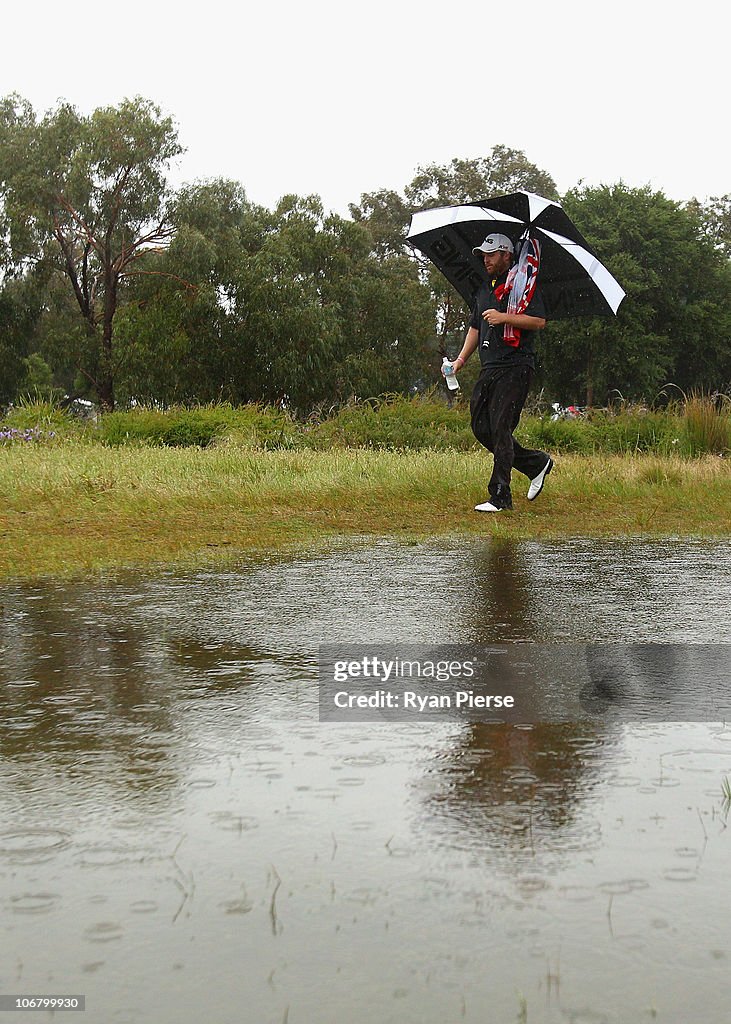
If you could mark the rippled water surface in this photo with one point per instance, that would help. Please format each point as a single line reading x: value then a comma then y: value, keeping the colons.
x: 181, y: 840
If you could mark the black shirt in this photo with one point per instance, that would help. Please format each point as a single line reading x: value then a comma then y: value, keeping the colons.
x: 493, y: 350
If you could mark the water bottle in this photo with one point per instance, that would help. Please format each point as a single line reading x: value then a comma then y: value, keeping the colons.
x: 449, y: 375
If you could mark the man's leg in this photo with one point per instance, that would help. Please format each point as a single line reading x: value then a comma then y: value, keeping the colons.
x: 507, y: 396
x: 529, y: 461
x: 482, y: 429
x: 480, y: 414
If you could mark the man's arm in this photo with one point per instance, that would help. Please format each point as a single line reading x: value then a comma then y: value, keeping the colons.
x: 470, y: 344
x: 519, y: 320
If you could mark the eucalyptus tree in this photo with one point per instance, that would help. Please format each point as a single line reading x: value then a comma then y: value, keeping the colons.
x: 714, y: 217
x: 328, y: 318
x: 182, y: 333
x: 674, y: 325
x: 287, y: 305
x: 14, y: 327
x: 86, y: 197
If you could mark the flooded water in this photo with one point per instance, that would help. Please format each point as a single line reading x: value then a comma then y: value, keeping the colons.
x: 181, y: 840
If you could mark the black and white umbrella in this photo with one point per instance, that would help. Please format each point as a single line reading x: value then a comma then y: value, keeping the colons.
x: 572, y: 280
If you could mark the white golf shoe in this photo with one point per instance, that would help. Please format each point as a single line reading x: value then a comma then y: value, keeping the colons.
x: 536, y: 484
x: 487, y: 506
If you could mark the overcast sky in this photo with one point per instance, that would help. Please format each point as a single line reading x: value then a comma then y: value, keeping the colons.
x: 326, y: 97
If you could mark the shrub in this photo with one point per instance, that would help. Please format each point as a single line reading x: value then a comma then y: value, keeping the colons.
x: 394, y: 423
x: 248, y: 426
x: 40, y: 415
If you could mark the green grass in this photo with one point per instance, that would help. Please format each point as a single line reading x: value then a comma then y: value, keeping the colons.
x: 247, y: 426
x: 69, y: 507
x: 707, y: 427
x: 692, y: 428
x: 146, y: 485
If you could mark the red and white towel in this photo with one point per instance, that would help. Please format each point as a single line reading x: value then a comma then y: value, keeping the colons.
x: 520, y: 286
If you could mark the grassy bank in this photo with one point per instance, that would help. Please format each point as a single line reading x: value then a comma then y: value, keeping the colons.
x: 67, y: 507
x: 694, y: 427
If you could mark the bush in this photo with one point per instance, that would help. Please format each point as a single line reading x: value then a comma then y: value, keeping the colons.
x: 249, y: 426
x: 556, y: 435
x: 41, y: 415
x: 394, y: 423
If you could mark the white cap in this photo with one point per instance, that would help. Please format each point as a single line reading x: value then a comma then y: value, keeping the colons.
x: 495, y: 243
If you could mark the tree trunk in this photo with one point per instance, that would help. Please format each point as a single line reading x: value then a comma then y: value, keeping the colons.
x: 589, y: 380
x: 105, y: 387
x: 105, y: 392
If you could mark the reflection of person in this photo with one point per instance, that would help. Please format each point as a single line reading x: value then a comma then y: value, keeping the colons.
x: 517, y: 794
x: 505, y: 343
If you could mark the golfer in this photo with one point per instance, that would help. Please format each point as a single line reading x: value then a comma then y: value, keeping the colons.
x: 505, y: 343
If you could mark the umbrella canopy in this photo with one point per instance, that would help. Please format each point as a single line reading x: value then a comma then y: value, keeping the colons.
x: 572, y: 280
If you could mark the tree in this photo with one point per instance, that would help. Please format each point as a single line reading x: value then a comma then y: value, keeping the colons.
x: 714, y: 218
x: 180, y: 336
x: 328, y: 318
x: 386, y: 213
x: 504, y: 171
x: 86, y: 197
x: 674, y: 324
x: 289, y: 305
x: 13, y: 327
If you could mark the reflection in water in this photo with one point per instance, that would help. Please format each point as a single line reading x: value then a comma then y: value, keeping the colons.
x: 516, y: 790
x: 171, y: 810
x: 504, y: 599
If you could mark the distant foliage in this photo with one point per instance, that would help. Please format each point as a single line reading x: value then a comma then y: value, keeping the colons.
x: 251, y: 425
x: 287, y: 306
x: 116, y: 289
x: 84, y: 199
x: 675, y: 323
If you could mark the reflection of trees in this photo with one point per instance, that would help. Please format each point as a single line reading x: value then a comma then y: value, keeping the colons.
x: 78, y: 690
x: 94, y: 677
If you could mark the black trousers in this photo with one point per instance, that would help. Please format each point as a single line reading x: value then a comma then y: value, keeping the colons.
x: 495, y: 408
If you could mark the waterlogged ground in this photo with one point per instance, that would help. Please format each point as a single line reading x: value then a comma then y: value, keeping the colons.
x: 181, y: 840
